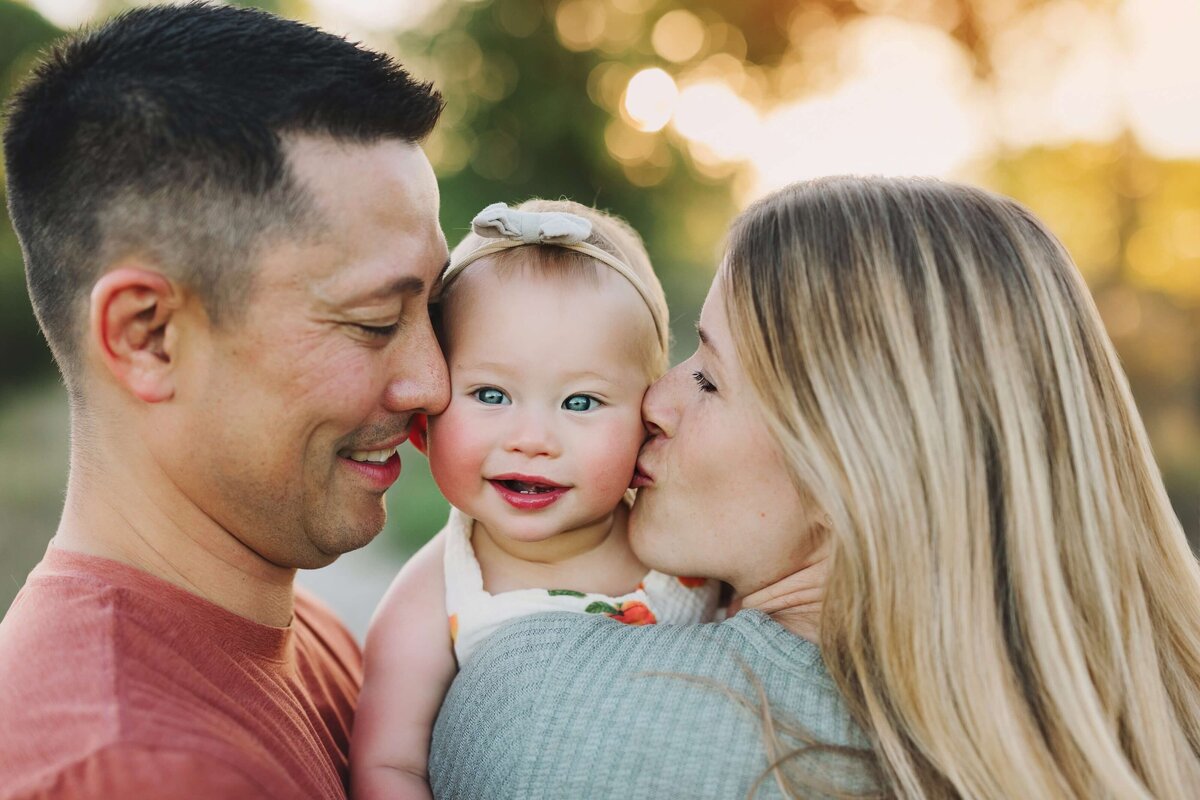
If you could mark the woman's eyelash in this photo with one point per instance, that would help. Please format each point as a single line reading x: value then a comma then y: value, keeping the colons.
x: 704, y: 383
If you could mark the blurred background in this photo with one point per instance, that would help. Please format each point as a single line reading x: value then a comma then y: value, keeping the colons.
x: 678, y: 114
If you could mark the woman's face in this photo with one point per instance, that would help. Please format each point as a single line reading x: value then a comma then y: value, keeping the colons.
x: 714, y: 497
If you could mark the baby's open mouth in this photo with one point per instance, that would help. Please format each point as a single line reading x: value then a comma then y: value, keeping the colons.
x: 528, y: 487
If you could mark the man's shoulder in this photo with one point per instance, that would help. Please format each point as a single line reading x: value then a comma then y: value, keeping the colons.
x: 64, y: 690
x: 91, y: 668
x: 135, y: 769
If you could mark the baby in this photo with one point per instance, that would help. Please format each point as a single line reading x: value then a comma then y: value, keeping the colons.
x: 554, y: 325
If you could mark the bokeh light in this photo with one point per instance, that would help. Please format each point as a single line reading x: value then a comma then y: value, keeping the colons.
x: 677, y: 114
x: 580, y: 24
x: 678, y: 35
x: 650, y: 99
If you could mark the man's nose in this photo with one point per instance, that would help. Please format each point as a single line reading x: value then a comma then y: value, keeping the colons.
x: 419, y: 381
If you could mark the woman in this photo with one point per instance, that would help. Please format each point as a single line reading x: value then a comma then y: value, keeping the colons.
x: 904, y: 438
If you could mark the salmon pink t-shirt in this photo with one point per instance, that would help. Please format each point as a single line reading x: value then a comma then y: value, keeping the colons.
x: 115, y: 684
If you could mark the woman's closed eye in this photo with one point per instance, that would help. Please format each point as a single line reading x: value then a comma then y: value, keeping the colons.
x: 491, y: 396
x: 703, y: 382
x: 581, y: 402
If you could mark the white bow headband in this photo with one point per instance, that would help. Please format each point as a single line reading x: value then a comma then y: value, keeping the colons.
x: 509, y: 227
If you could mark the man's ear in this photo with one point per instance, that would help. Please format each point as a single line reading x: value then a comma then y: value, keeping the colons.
x: 131, y: 320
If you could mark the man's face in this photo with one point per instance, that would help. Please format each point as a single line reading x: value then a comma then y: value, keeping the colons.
x: 293, y: 414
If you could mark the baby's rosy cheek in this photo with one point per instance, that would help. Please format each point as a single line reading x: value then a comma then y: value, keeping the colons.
x: 613, y: 467
x: 454, y: 456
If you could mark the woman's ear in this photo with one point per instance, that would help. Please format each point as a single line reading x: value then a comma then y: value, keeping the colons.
x: 131, y: 321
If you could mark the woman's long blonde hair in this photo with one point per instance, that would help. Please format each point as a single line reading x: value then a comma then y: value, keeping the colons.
x: 1013, y: 610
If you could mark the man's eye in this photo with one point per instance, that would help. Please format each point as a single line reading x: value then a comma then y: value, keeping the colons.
x: 703, y: 382
x: 580, y: 402
x: 379, y: 331
x: 491, y: 396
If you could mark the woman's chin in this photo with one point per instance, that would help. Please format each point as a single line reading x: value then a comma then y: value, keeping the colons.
x: 640, y: 522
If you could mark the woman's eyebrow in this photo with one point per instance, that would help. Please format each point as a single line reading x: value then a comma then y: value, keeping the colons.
x: 707, y: 342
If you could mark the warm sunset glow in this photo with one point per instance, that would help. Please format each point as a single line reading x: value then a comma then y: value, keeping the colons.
x: 713, y: 115
x: 905, y: 105
x: 1162, y: 74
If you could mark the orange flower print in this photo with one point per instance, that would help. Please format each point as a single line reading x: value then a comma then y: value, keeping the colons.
x: 692, y: 583
x: 634, y: 612
x: 454, y: 627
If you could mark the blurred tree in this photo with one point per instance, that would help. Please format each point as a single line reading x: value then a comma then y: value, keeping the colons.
x: 537, y: 105
x: 519, y: 124
x: 23, y: 32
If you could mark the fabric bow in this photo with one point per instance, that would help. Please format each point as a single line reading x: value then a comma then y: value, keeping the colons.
x: 498, y: 221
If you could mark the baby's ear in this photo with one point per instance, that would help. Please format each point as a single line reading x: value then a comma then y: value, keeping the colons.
x: 417, y: 428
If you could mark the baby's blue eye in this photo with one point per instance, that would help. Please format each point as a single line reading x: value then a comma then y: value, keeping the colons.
x: 491, y: 396
x: 580, y: 402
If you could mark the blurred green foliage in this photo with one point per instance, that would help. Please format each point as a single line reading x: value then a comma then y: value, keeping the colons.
x: 23, y: 33
x: 518, y: 125
x: 534, y: 94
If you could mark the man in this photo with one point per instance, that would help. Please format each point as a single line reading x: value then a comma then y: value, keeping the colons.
x: 230, y: 236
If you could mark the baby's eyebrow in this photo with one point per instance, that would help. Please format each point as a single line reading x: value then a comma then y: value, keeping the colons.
x: 588, y: 374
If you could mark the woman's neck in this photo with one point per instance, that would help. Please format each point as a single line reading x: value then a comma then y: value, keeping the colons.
x: 795, y: 600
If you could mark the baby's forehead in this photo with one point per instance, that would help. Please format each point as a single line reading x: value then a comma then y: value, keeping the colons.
x: 498, y: 317
x: 486, y: 290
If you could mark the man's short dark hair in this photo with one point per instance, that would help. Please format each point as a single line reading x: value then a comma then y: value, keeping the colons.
x: 162, y: 133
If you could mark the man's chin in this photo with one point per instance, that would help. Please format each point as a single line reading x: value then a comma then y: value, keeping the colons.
x: 343, y: 537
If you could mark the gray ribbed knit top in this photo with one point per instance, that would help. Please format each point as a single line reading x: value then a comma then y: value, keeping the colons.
x: 562, y: 706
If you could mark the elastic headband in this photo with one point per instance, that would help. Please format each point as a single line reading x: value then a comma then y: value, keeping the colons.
x: 508, y: 228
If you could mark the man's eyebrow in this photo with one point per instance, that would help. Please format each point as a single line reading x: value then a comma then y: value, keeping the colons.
x: 409, y: 285
x: 707, y: 342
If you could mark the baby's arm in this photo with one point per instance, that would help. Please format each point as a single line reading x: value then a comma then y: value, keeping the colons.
x: 408, y: 668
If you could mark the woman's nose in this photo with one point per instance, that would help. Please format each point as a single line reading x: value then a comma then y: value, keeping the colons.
x: 660, y: 410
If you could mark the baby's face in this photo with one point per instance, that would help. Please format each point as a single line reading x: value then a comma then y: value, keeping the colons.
x: 544, y: 422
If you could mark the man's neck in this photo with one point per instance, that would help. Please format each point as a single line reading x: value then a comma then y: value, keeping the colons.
x: 149, y: 525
